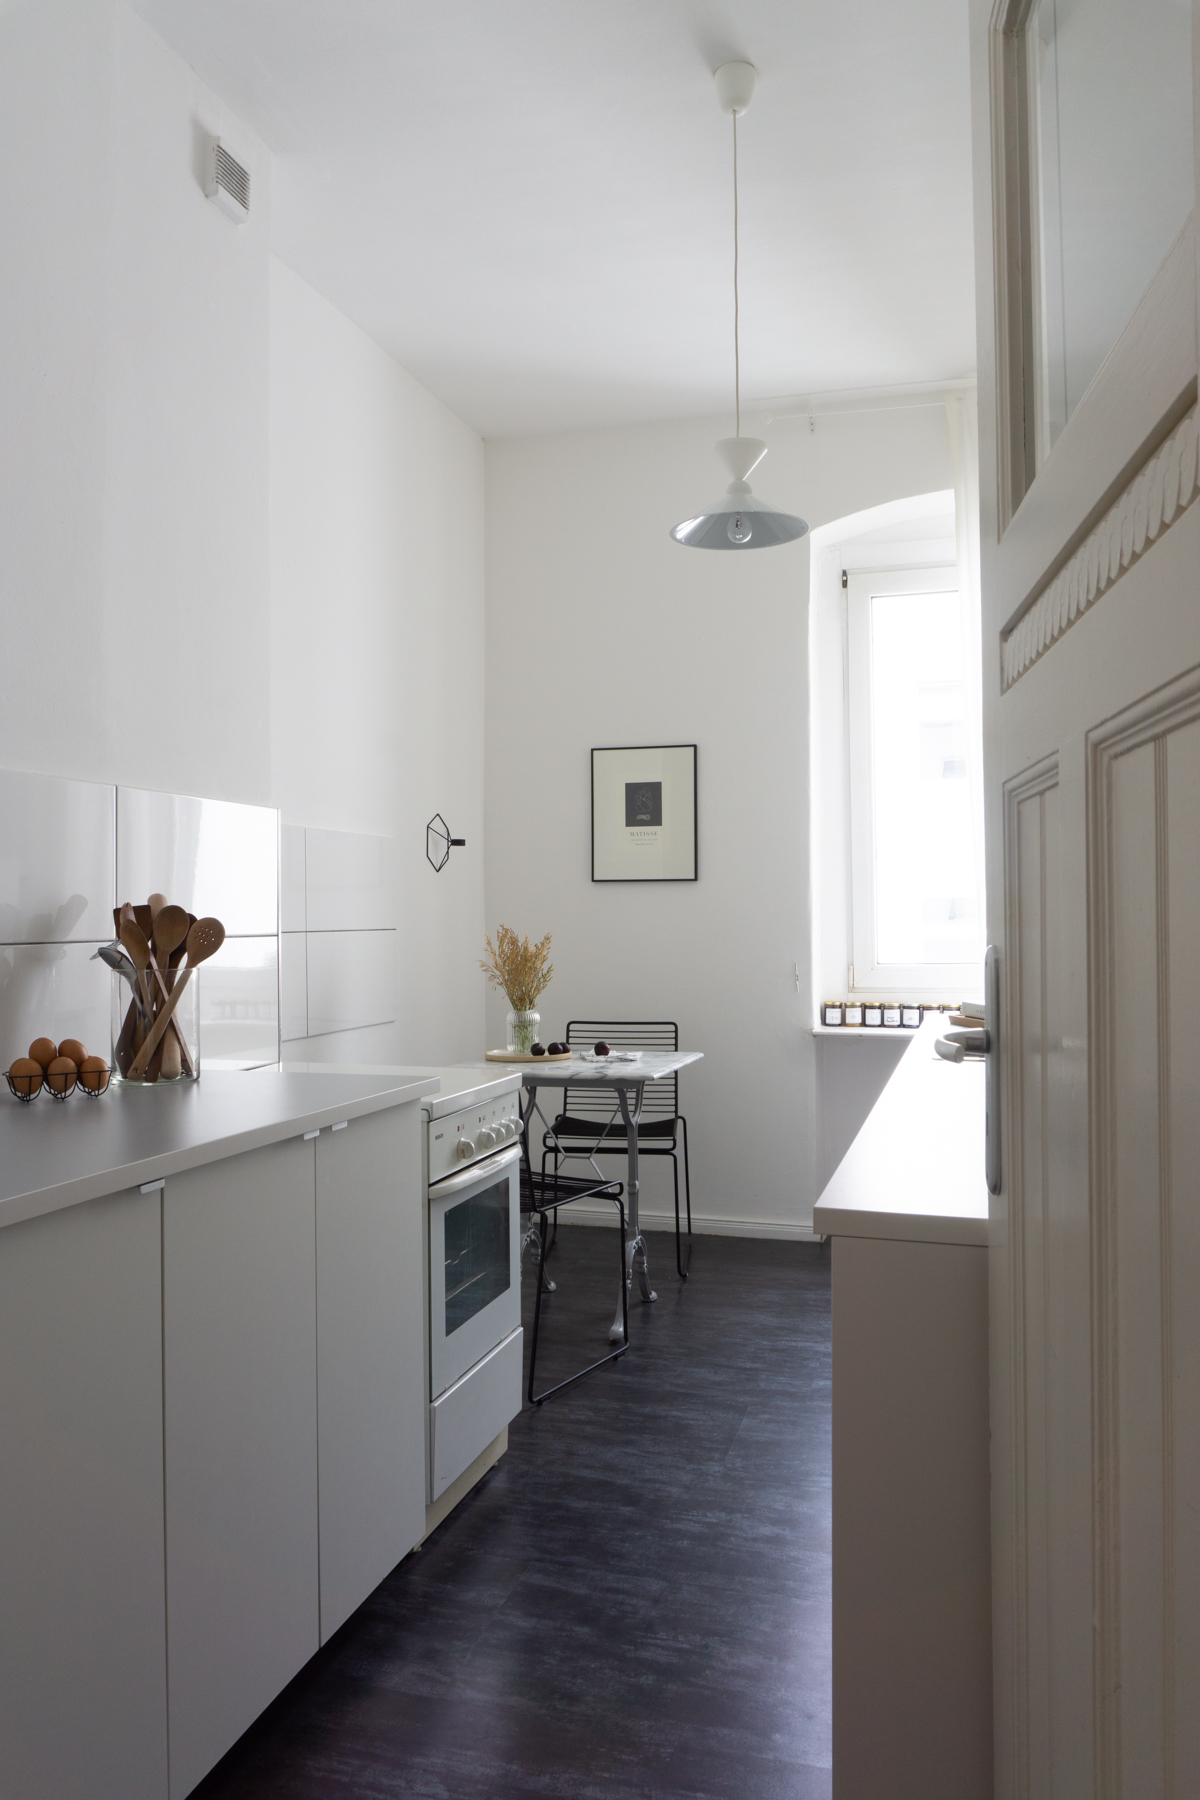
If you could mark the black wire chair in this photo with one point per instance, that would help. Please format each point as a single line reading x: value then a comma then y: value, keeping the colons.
x: 590, y: 1123
x: 541, y: 1197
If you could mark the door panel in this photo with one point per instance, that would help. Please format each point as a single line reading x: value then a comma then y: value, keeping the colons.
x: 1091, y: 655
x: 1145, y: 777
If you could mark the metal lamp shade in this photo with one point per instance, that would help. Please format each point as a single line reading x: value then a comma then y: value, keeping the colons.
x: 723, y: 525
x: 737, y: 521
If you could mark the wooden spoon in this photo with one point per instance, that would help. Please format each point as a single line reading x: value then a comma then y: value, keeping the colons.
x: 134, y: 939
x: 171, y: 926
x: 145, y: 918
x: 156, y: 902
x: 203, y: 940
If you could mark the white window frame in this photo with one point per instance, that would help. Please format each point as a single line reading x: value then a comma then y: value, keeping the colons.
x: 928, y: 982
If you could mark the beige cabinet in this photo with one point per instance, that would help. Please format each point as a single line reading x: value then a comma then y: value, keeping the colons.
x: 912, y: 1666
x: 240, y: 1410
x: 82, y: 1655
x: 370, y: 1355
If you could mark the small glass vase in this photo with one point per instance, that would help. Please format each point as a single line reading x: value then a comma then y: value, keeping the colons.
x: 523, y: 1031
x: 178, y: 1058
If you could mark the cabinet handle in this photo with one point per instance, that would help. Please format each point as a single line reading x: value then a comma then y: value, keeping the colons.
x: 310, y: 1135
x: 340, y: 1126
x: 153, y: 1187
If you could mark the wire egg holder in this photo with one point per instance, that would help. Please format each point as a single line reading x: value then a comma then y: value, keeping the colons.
x: 71, y: 1084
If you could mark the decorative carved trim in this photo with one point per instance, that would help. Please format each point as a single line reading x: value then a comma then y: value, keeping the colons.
x: 1031, y: 784
x: 1150, y: 721
x: 1158, y: 495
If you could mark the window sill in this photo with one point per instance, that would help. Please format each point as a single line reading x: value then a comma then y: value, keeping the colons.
x: 890, y: 1032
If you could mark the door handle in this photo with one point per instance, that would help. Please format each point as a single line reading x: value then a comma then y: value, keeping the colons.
x: 956, y: 1045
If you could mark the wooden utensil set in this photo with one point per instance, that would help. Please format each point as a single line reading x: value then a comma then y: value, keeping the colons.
x: 164, y: 944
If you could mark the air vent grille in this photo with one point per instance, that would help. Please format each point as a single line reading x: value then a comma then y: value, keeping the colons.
x: 227, y: 182
x: 233, y: 178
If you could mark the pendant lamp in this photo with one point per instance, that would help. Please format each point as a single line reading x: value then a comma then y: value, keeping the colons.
x: 738, y: 520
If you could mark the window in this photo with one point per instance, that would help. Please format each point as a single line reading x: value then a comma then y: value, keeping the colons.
x: 916, y: 786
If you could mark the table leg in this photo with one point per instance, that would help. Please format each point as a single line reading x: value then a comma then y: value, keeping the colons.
x: 635, y: 1248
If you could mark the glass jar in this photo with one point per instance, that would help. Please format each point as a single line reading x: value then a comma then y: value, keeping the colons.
x: 135, y: 1016
x: 523, y: 1031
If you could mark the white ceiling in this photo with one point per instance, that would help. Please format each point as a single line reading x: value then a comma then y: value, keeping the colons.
x: 528, y: 201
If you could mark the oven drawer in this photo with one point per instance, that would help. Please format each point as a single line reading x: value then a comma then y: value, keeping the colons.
x: 464, y: 1420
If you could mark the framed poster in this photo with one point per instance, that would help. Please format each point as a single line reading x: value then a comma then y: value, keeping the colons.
x: 644, y: 813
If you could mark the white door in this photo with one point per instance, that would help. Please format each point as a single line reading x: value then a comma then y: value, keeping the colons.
x: 1090, y: 554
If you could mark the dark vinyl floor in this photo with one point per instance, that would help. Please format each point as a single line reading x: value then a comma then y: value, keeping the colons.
x: 636, y: 1600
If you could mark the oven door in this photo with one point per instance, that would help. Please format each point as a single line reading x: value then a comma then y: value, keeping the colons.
x: 474, y: 1264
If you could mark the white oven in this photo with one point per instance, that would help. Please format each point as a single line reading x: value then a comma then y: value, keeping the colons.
x: 474, y: 1272
x: 473, y: 1284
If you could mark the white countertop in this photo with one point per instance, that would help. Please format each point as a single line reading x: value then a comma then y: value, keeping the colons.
x: 54, y: 1155
x: 915, y: 1170
x: 460, y: 1085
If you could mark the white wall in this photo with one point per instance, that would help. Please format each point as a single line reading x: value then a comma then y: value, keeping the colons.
x: 603, y: 631
x: 153, y: 366
x: 377, y: 628
x: 133, y: 390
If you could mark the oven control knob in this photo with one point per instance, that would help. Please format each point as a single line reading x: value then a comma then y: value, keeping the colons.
x: 466, y: 1148
x: 487, y: 1139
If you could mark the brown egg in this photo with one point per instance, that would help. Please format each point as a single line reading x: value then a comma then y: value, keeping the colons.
x: 44, y: 1051
x: 61, y: 1075
x: 93, y: 1073
x: 74, y: 1049
x: 26, y: 1074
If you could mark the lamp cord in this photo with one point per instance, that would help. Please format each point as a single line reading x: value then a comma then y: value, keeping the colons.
x: 737, y: 364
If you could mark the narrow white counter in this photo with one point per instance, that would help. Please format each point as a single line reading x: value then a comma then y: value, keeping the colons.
x: 915, y: 1170
x: 54, y: 1155
x: 908, y: 1215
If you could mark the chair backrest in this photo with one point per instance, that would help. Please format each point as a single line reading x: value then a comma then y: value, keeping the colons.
x: 661, y: 1099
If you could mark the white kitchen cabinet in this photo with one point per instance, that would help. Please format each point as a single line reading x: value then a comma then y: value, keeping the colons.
x: 240, y: 1410
x: 82, y: 1654
x: 370, y: 1352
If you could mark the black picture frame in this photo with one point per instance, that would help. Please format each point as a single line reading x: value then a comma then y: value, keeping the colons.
x: 645, y: 809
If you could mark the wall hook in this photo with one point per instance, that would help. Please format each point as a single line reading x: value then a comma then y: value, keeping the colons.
x: 439, y: 843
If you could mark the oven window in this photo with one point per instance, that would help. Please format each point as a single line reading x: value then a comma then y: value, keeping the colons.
x: 477, y: 1265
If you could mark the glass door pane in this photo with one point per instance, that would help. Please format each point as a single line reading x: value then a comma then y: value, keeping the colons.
x: 1111, y: 178
x: 478, y: 1269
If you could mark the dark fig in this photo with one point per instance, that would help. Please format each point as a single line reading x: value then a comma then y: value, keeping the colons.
x: 537, y: 1049
x: 602, y: 1049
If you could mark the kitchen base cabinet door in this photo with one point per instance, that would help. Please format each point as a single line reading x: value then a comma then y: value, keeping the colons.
x: 371, y: 1362
x: 240, y: 1381
x: 83, y: 1704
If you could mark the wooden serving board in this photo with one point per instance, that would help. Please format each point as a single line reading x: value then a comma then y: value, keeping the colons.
x: 515, y: 1056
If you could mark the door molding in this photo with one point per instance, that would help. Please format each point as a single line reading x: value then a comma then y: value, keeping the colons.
x: 1030, y: 785
x: 1158, y: 494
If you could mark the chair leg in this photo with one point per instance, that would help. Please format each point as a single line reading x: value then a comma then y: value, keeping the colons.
x: 537, y: 1302
x: 613, y: 1355
x: 687, y: 1189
